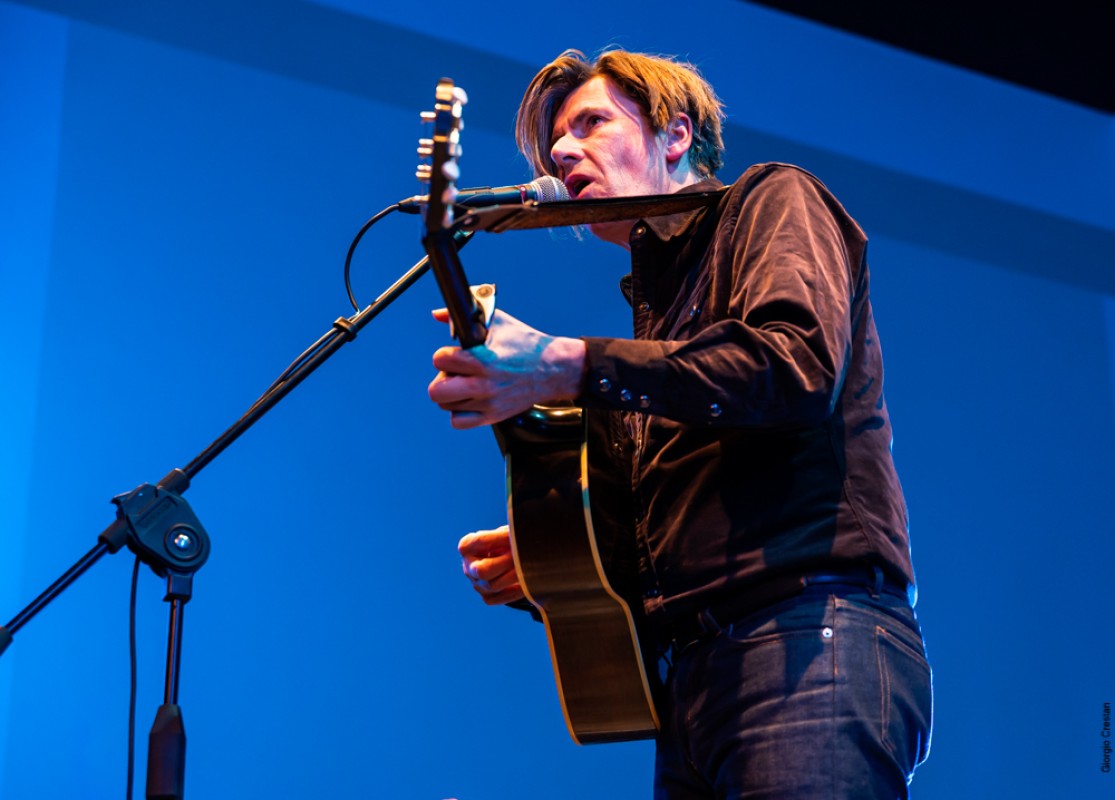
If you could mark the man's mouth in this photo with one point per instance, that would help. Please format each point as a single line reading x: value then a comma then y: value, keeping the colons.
x: 576, y: 185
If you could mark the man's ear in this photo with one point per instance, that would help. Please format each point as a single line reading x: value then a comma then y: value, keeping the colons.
x: 679, y: 138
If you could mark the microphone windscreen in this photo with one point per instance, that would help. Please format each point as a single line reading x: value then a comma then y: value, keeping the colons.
x: 548, y: 189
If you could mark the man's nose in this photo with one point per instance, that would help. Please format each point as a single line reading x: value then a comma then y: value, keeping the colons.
x: 565, y: 150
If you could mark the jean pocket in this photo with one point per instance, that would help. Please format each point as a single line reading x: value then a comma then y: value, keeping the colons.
x: 906, y: 696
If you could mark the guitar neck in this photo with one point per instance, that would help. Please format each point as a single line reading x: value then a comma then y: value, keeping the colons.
x: 467, y: 316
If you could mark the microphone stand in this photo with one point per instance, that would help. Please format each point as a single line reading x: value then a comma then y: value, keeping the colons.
x: 156, y: 524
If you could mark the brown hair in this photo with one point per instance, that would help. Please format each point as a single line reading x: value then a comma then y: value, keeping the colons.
x: 661, y: 87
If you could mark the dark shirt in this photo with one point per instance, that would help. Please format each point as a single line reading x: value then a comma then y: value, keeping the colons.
x: 754, y: 425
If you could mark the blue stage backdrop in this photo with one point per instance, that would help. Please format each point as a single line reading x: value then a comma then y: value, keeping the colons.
x: 179, y: 182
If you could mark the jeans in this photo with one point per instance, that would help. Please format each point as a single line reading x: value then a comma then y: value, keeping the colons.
x: 825, y: 695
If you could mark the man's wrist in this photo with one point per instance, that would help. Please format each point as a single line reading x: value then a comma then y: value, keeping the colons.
x: 566, y: 364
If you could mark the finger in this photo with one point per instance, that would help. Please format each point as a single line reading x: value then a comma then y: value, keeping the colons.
x: 456, y: 361
x: 470, y: 406
x: 467, y: 420
x: 505, y: 581
x: 504, y: 597
x: 441, y: 314
x: 449, y: 389
x: 463, y: 407
x: 493, y: 571
x: 482, y: 544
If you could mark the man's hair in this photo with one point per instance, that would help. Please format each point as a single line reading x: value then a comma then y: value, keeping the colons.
x: 661, y: 87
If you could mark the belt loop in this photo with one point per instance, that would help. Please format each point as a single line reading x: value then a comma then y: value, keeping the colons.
x: 878, y: 588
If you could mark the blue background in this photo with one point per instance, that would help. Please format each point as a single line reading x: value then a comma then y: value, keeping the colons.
x: 178, y: 185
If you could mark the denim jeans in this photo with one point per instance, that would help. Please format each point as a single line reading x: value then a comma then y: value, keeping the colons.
x: 826, y: 695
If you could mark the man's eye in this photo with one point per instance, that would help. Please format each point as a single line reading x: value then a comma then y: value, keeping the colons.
x: 594, y: 120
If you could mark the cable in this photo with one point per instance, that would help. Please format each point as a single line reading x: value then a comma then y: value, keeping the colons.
x: 291, y: 371
x: 352, y: 248
x: 132, y: 690
x: 328, y: 337
x: 310, y: 351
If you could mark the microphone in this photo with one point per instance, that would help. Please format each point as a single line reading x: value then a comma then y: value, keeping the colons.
x: 546, y: 189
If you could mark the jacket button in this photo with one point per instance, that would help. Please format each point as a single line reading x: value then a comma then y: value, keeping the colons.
x: 644, y: 401
x: 605, y: 384
x: 624, y: 395
x: 715, y: 410
x: 644, y: 306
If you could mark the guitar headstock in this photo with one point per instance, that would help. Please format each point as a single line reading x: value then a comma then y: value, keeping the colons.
x: 443, y: 149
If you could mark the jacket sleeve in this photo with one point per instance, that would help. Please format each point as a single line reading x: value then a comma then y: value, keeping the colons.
x: 782, y: 269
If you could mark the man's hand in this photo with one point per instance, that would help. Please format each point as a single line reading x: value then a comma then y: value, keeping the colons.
x: 516, y: 368
x: 487, y: 562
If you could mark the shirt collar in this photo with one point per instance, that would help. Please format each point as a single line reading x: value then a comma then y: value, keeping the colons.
x: 665, y: 228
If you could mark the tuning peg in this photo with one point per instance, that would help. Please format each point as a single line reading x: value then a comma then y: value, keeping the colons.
x: 460, y: 95
x: 450, y: 170
x: 428, y: 116
x: 424, y: 173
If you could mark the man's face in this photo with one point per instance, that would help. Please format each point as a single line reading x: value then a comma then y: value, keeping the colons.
x: 603, y: 147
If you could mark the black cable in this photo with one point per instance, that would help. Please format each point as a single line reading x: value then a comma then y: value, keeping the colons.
x: 132, y: 691
x: 352, y: 249
x: 305, y: 357
x: 313, y: 349
x: 344, y: 330
x: 295, y: 365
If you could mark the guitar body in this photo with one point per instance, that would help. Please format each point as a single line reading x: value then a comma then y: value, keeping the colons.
x: 579, y: 571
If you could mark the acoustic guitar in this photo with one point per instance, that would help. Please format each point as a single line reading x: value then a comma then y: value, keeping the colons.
x: 567, y: 508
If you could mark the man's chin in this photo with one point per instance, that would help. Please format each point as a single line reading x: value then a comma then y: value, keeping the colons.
x: 615, y: 232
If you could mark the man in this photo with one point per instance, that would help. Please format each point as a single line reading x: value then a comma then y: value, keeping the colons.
x: 748, y: 410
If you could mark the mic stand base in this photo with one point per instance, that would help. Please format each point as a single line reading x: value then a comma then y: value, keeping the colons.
x: 166, y: 755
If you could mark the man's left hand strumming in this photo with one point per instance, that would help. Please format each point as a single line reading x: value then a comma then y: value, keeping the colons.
x: 516, y: 368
